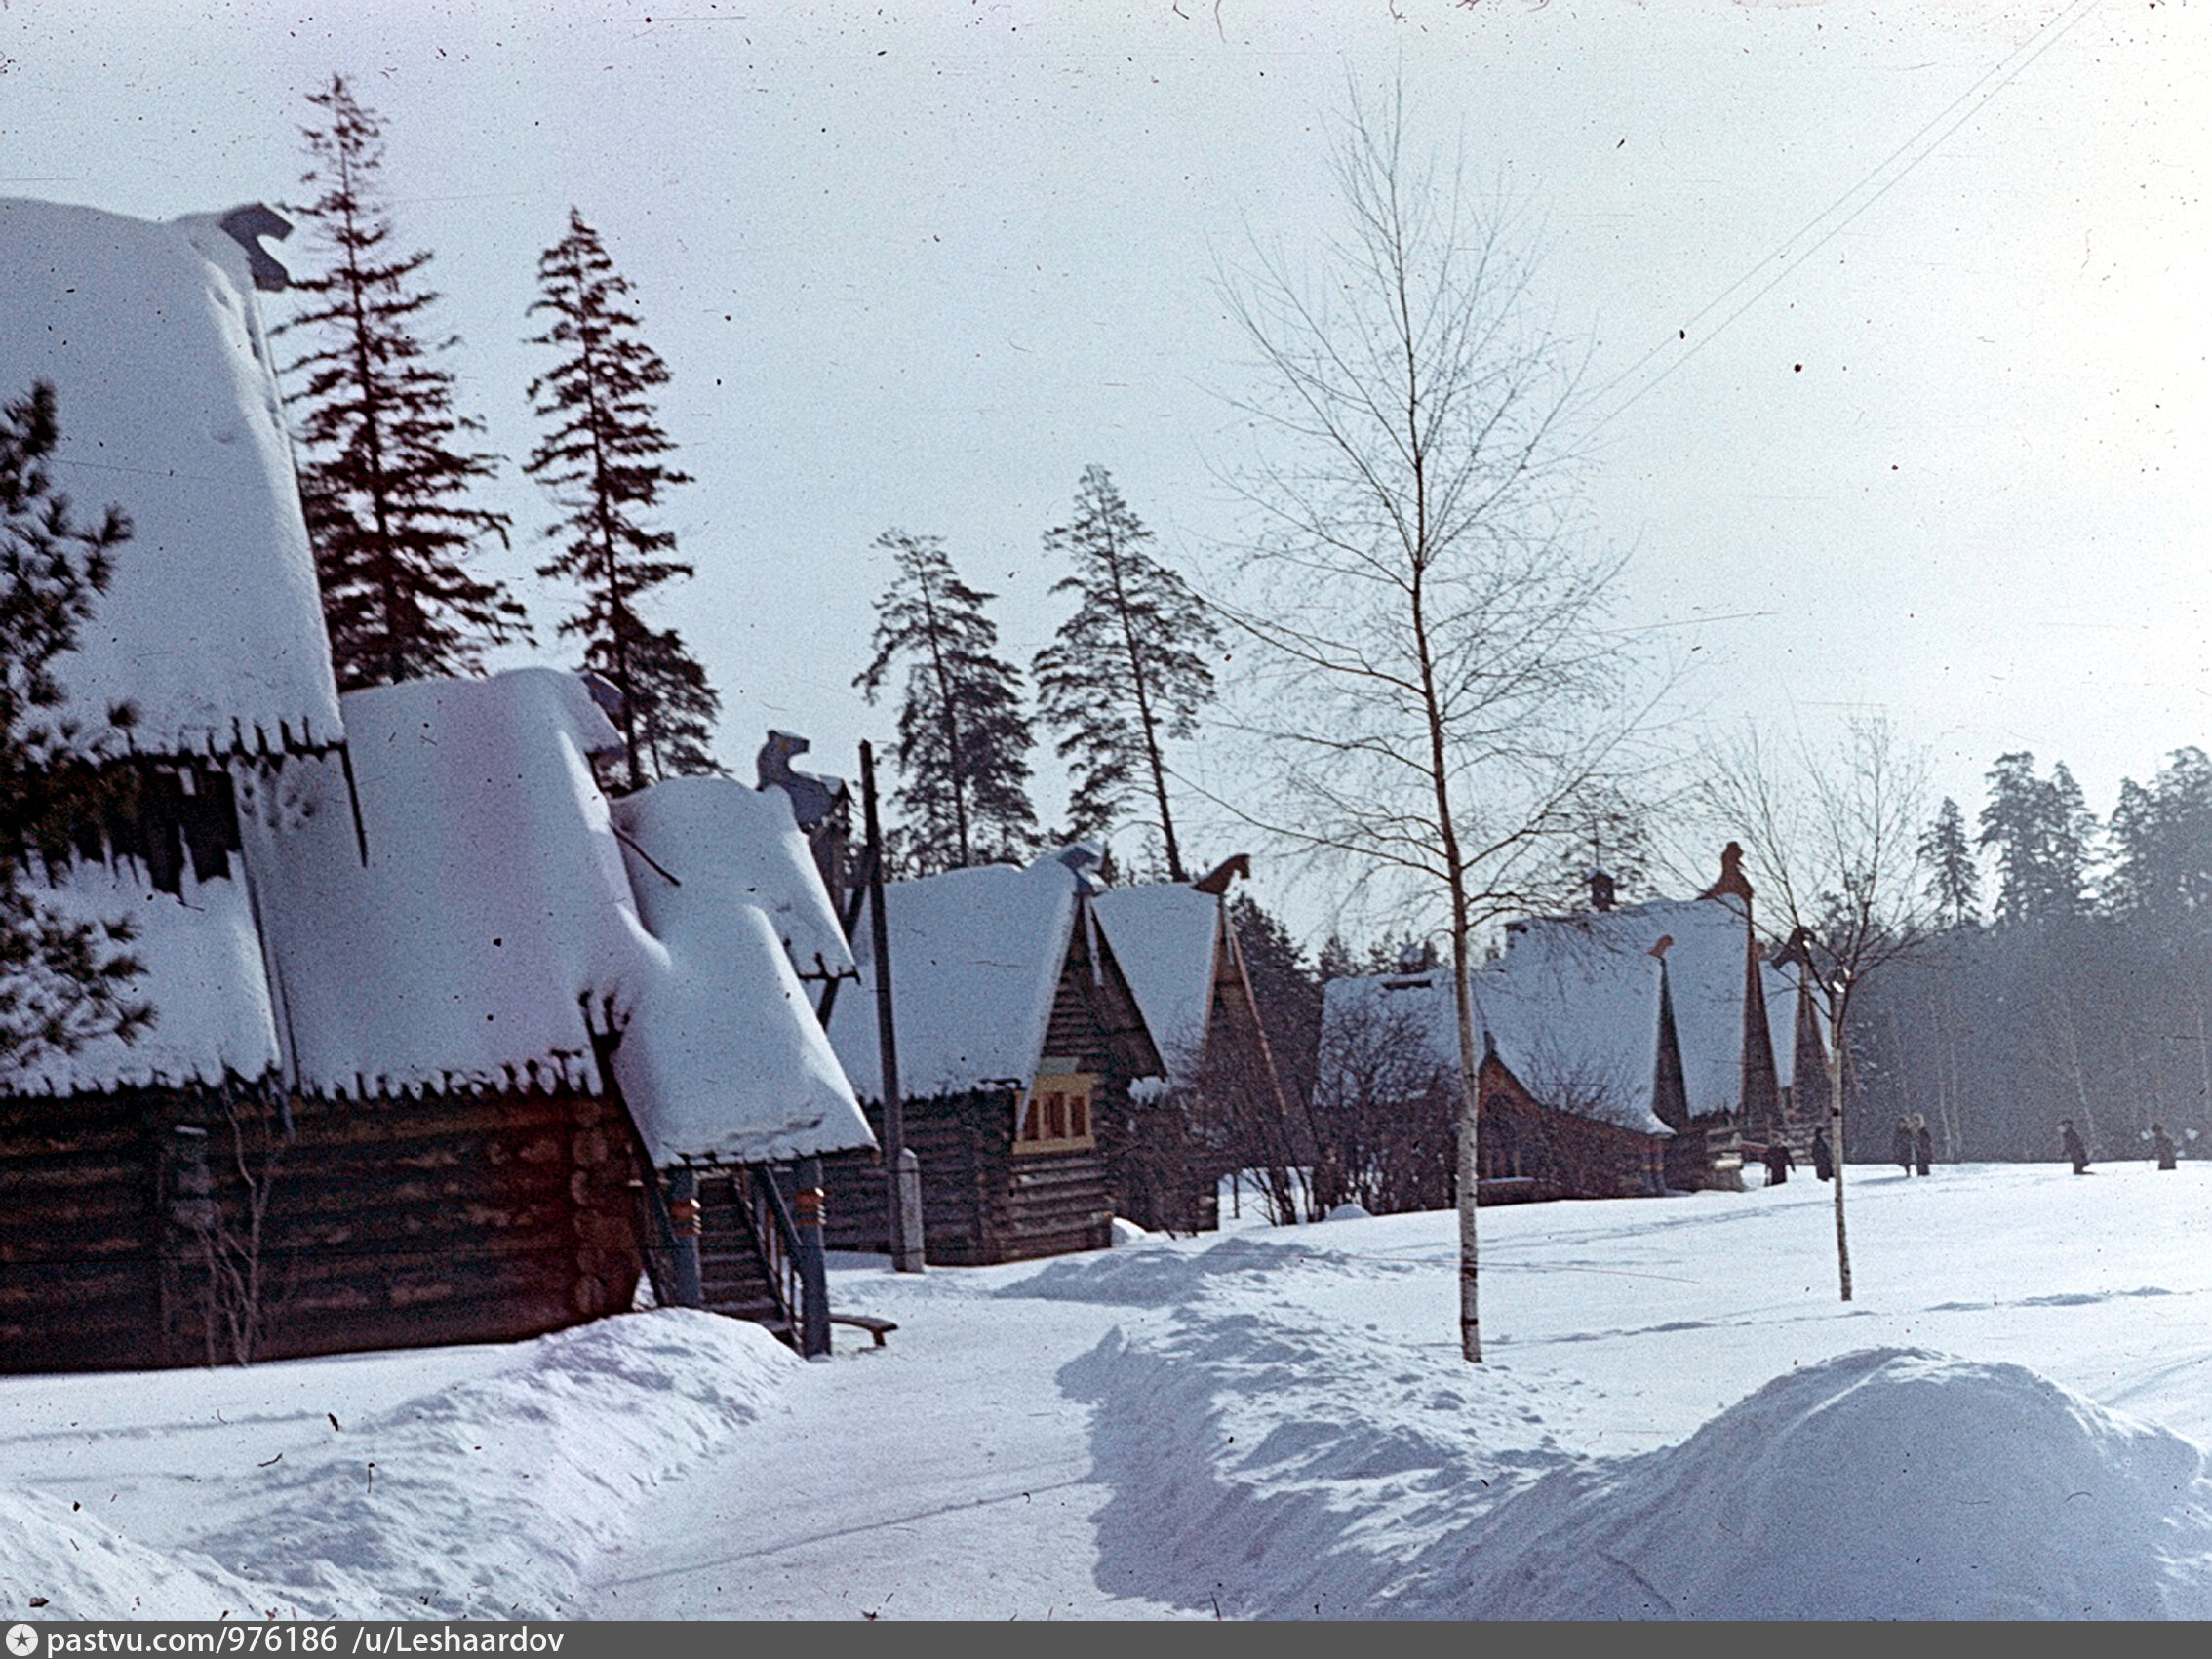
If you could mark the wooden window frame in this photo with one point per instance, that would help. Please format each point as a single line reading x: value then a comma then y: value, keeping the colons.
x: 1058, y: 1113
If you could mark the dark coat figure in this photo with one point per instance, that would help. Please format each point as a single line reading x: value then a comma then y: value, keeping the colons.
x: 1900, y: 1145
x: 1779, y: 1164
x: 1823, y: 1155
x: 2161, y: 1146
x: 1923, y: 1145
x: 2075, y: 1150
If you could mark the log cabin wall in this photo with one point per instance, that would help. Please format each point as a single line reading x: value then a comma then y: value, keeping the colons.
x: 1561, y: 1154
x: 167, y: 1227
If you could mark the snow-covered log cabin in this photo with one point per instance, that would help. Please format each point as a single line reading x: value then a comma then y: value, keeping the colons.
x: 1626, y: 1050
x: 424, y: 1014
x: 212, y: 635
x: 1176, y: 946
x: 1017, y: 1035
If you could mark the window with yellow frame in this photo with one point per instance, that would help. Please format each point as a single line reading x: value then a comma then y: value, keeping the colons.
x: 1055, y: 1117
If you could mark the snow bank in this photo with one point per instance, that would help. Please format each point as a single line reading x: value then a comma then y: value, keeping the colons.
x: 204, y: 975
x: 169, y: 408
x: 976, y: 957
x: 1158, y: 1278
x: 491, y: 1497
x: 1166, y: 936
x: 1890, y: 1483
x: 1359, y: 1477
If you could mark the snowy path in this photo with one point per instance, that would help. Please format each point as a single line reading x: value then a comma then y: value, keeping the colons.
x: 946, y: 1475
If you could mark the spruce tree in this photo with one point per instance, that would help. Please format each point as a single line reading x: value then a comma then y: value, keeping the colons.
x: 606, y: 464
x: 1126, y: 669
x: 383, y: 480
x: 1953, y: 882
x: 62, y: 982
x: 962, y: 750
x: 2162, y: 842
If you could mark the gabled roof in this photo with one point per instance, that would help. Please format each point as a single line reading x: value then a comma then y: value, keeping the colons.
x: 976, y: 956
x: 1576, y: 970
x: 168, y: 405
x: 1581, y: 1032
x: 493, y: 928
x: 1166, y: 937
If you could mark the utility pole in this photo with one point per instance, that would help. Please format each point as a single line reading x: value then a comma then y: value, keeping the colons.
x: 901, y: 1168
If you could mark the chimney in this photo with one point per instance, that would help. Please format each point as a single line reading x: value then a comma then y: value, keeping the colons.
x: 1601, y: 891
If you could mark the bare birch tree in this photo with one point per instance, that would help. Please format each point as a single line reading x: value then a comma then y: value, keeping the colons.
x: 1834, y: 845
x: 1435, y: 687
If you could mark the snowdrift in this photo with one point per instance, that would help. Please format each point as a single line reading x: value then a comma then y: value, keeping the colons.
x: 489, y: 1497
x: 1885, y: 1484
x: 1890, y: 1483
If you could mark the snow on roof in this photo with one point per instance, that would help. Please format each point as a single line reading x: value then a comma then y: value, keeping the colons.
x: 169, y: 408
x: 1560, y: 963
x: 495, y: 928
x: 976, y: 957
x: 204, y: 975
x: 1781, y: 982
x: 1166, y: 936
x: 747, y: 841
x: 1580, y: 1030
x: 727, y: 1044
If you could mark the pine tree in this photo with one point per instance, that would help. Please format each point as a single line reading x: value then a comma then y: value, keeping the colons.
x: 62, y: 982
x: 964, y: 741
x: 1953, y: 880
x: 2046, y: 837
x: 2162, y: 842
x: 2074, y: 836
x: 604, y: 463
x: 1127, y: 669
x: 384, y: 486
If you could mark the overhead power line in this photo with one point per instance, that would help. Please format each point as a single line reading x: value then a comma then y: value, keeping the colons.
x: 1885, y: 175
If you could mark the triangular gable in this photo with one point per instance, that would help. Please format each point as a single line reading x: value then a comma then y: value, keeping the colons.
x: 168, y: 403
x: 976, y: 957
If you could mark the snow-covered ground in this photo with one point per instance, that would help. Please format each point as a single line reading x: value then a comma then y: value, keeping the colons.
x: 1678, y: 1417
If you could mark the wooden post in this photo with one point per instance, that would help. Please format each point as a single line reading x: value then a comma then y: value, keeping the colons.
x: 908, y: 1245
x: 814, y: 1272
x: 687, y: 1287
x: 906, y: 1240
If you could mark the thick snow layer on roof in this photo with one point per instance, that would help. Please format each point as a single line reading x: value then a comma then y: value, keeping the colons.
x: 204, y: 976
x: 1166, y: 936
x: 726, y: 1041
x: 1549, y: 957
x: 747, y: 844
x: 976, y: 957
x: 1781, y: 983
x: 1579, y: 1029
x: 493, y: 928
x: 169, y: 408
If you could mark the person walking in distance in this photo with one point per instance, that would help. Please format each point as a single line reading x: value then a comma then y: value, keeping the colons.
x: 1923, y: 1143
x: 2162, y: 1146
x: 1779, y: 1164
x: 1900, y: 1145
x: 1823, y: 1155
x: 2070, y: 1138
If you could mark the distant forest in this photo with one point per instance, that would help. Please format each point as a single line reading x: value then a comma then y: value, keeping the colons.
x: 2082, y: 989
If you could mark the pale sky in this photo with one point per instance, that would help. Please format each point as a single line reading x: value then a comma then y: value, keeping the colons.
x: 918, y: 267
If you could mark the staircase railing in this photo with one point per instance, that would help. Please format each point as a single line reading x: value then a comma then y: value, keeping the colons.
x: 777, y: 1236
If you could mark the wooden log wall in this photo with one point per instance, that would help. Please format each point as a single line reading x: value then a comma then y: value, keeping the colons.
x: 964, y: 1194
x: 132, y: 1235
